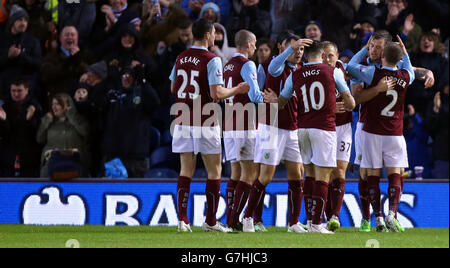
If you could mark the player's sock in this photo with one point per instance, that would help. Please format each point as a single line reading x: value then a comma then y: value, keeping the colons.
x: 231, y: 186
x: 403, y: 182
x: 295, y: 201
x: 257, y: 214
x: 256, y: 196
x: 307, y: 195
x: 329, y: 206
x: 375, y: 194
x: 395, y: 191
x: 364, y: 198
x: 212, y: 201
x: 240, y: 199
x: 319, y: 198
x: 337, y: 196
x: 183, y: 190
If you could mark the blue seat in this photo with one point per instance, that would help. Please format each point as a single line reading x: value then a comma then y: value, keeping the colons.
x: 166, y: 138
x: 161, y: 173
x: 280, y: 174
x: 164, y: 158
x: 200, y: 173
x: 155, y: 139
x: 162, y: 119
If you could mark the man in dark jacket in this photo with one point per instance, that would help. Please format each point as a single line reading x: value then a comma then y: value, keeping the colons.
x: 20, y: 52
x: 128, y: 111
x: 252, y: 18
x: 61, y: 69
x: 19, y: 121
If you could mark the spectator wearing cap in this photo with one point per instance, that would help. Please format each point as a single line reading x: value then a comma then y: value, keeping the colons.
x: 128, y: 110
x: 40, y: 17
x: 249, y: 17
x: 211, y: 12
x: 195, y: 7
x: 19, y: 120
x: 313, y: 30
x: 20, y: 52
x: 362, y: 31
x: 62, y: 68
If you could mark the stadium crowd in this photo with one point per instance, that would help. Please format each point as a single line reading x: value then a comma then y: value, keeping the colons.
x: 91, y: 77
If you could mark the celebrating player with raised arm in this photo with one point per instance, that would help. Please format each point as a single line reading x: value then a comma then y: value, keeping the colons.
x: 240, y: 125
x: 315, y: 85
x: 197, y: 81
x: 384, y: 143
x: 277, y: 139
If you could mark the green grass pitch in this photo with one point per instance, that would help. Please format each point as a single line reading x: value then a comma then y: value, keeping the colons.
x: 20, y: 236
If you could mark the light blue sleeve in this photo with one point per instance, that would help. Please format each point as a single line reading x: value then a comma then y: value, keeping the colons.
x: 249, y: 74
x: 173, y: 76
x: 288, y: 89
x: 261, y: 76
x: 339, y: 78
x: 358, y: 71
x: 215, y: 73
x: 276, y: 66
x: 406, y: 64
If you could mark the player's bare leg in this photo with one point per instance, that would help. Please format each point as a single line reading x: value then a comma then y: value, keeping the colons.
x: 295, y: 195
x: 394, y: 192
x: 310, y: 178
x: 188, y: 165
x: 231, y: 186
x: 319, y: 199
x: 257, y: 195
x: 242, y: 191
x: 213, y: 166
x: 373, y: 180
x: 337, y: 193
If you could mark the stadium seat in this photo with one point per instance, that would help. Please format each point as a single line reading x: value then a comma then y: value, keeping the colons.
x: 166, y: 138
x: 162, y: 119
x: 155, y: 139
x: 164, y: 158
x: 161, y: 173
x: 200, y: 173
x: 280, y: 174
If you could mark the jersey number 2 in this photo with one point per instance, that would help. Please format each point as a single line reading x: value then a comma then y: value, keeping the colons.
x: 387, y: 110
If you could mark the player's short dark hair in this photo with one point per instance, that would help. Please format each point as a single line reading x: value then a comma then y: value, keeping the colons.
x: 382, y: 34
x: 19, y: 82
x: 327, y: 44
x: 200, y: 28
x: 242, y: 37
x: 315, y: 49
x: 392, y: 53
x: 284, y: 35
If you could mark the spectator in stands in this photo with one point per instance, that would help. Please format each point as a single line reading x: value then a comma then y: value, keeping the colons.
x: 429, y: 56
x: 221, y: 47
x: 20, y: 52
x: 211, y: 12
x: 249, y: 17
x: 313, y: 31
x: 80, y: 14
x: 264, y: 50
x: 19, y: 120
x: 62, y: 68
x: 40, y: 17
x: 64, y: 129
x: 128, y: 112
x: 438, y: 125
x: 128, y: 51
x: 416, y: 136
x: 194, y: 8
x: 397, y: 19
x: 285, y: 16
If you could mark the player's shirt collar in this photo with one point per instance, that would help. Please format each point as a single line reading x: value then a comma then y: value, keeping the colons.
x: 311, y: 63
x: 199, y: 47
x: 389, y: 68
x: 373, y: 63
x: 238, y: 55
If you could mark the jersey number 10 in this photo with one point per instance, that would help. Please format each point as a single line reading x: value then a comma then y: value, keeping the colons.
x: 316, y: 105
